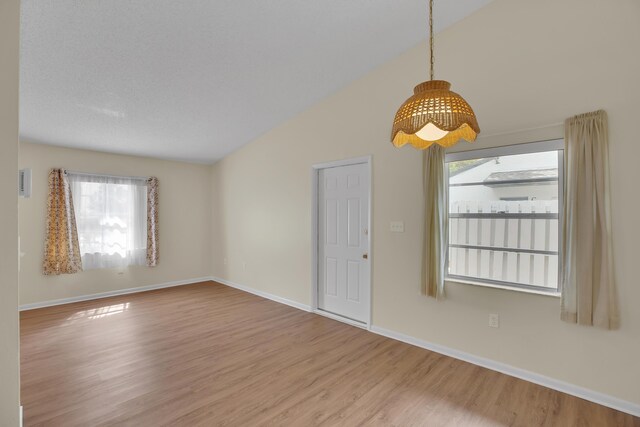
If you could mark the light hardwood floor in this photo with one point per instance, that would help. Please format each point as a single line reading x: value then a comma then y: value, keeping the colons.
x: 207, y: 354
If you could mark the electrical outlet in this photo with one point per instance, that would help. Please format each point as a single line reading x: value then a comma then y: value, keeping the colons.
x: 494, y: 320
x: 396, y: 226
x: 226, y: 262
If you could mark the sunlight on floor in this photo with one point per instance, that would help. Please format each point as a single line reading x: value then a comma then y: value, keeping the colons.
x: 98, y: 313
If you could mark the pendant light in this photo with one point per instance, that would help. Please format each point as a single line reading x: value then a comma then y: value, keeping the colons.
x: 433, y: 114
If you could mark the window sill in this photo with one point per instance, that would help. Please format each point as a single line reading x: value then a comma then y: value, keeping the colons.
x: 551, y: 293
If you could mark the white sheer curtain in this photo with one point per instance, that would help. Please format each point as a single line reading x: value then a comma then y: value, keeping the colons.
x: 111, y: 217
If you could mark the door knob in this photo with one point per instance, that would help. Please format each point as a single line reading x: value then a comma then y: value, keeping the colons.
x: 365, y: 256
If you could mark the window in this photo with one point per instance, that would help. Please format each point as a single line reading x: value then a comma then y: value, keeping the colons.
x: 111, y: 218
x: 504, y: 215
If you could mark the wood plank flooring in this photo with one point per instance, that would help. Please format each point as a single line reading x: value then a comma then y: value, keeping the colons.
x: 207, y: 354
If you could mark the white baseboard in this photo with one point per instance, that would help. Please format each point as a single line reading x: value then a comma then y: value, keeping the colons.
x: 100, y: 295
x: 342, y: 319
x: 262, y: 294
x: 564, y: 387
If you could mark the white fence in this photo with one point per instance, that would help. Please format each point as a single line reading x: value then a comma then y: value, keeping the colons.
x: 506, y: 241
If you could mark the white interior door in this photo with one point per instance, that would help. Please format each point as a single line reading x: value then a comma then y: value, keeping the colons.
x: 343, y: 241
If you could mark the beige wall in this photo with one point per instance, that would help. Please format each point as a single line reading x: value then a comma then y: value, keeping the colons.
x: 522, y: 65
x: 184, y: 223
x: 9, y: 343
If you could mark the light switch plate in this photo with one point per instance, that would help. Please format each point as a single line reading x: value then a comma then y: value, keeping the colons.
x: 494, y: 320
x: 396, y: 226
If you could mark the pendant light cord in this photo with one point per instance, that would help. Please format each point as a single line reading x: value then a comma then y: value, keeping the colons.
x: 431, y: 36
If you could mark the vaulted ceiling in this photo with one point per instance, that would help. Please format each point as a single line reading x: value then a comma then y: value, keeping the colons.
x: 196, y: 79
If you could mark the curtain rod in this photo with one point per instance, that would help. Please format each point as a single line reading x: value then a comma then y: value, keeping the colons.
x: 510, y: 132
x: 141, y: 178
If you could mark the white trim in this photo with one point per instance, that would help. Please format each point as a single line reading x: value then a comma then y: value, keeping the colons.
x: 344, y: 162
x: 553, y: 293
x: 104, y: 175
x: 315, y: 170
x: 564, y: 387
x: 556, y: 144
x: 506, y: 150
x: 340, y: 318
x: 314, y: 238
x: 51, y: 303
x: 294, y: 304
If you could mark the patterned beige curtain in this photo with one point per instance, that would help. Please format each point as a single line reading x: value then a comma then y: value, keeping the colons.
x: 435, y: 222
x: 588, y: 293
x: 152, y: 221
x: 61, y: 248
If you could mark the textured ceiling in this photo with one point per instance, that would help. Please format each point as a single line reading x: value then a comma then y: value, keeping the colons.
x: 193, y: 79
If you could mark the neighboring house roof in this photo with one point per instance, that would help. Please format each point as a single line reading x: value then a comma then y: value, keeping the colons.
x: 465, y: 165
x: 531, y: 176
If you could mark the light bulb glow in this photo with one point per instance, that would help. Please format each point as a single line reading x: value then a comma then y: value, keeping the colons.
x: 431, y: 132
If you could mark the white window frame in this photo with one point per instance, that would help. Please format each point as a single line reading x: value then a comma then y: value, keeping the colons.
x: 87, y: 178
x: 508, y: 150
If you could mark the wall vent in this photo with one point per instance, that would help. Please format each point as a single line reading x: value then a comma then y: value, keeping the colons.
x: 24, y: 183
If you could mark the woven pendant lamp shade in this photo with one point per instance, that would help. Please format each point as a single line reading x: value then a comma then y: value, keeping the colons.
x: 434, y: 114
x: 433, y: 102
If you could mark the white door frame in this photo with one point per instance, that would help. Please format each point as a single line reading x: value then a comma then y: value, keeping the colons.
x: 315, y: 170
